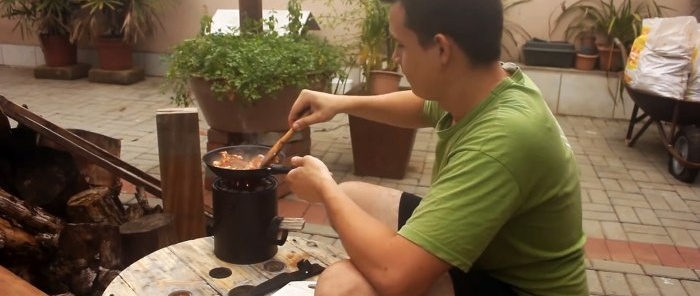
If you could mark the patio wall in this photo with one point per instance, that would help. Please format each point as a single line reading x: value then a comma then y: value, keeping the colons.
x: 582, y: 93
x: 182, y: 21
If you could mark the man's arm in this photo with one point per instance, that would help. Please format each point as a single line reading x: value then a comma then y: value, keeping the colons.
x: 391, y: 263
x: 403, y: 108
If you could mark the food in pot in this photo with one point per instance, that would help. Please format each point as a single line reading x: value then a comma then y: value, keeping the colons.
x: 235, y: 161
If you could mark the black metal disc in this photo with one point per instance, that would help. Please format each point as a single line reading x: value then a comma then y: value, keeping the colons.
x: 220, y: 272
x: 274, y: 266
x: 241, y: 290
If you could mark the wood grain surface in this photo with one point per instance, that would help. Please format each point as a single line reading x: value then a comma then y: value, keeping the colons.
x: 186, y: 266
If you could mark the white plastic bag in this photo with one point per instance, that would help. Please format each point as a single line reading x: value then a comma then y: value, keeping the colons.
x: 693, y: 91
x: 659, y: 62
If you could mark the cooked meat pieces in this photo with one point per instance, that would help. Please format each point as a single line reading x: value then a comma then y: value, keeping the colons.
x: 235, y: 161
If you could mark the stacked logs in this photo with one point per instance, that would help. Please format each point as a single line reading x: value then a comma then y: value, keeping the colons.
x: 63, y: 227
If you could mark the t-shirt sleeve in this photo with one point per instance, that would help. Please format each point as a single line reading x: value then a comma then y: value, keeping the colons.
x: 470, y: 200
x: 432, y: 112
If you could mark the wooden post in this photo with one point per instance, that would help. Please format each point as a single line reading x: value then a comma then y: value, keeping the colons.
x: 181, y: 170
x: 250, y: 14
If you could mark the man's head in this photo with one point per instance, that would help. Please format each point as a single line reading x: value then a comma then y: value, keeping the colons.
x: 476, y: 26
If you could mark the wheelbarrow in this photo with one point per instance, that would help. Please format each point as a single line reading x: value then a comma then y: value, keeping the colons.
x: 680, y: 117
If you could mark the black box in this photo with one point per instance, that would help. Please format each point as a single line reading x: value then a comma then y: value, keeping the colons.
x: 549, y: 54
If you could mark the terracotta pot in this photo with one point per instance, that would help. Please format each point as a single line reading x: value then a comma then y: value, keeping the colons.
x: 235, y: 116
x: 58, y: 50
x: 610, y: 58
x: 381, y: 82
x: 114, y: 54
x: 586, y: 62
x: 378, y: 149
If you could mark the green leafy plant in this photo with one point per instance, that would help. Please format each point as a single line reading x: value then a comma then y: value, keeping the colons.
x: 371, y: 47
x: 50, y: 17
x: 251, y: 65
x: 127, y: 19
x: 622, y: 21
x: 376, y: 44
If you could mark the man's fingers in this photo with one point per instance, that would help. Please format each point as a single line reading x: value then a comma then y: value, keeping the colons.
x: 297, y: 161
x: 306, y: 121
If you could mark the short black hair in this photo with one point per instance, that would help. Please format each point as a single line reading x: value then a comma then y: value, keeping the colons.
x: 475, y: 25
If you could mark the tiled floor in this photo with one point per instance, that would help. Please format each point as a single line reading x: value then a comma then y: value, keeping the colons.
x: 643, y: 226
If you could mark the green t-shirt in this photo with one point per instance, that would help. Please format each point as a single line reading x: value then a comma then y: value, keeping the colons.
x: 505, y: 194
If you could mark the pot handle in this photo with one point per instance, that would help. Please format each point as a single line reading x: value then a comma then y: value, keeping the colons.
x: 275, y: 233
x: 278, y: 169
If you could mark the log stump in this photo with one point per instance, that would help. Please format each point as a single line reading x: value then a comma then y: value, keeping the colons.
x: 94, y: 205
x: 145, y: 235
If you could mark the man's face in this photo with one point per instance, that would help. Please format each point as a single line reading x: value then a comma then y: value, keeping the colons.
x: 420, y: 65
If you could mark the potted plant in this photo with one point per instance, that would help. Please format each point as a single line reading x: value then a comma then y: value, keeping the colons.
x: 246, y: 82
x: 376, y: 49
x: 50, y: 19
x: 115, y: 25
x: 609, y: 21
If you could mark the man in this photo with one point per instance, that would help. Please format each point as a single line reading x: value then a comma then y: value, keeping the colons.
x: 503, y: 213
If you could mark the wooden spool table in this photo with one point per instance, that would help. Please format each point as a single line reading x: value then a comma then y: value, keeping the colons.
x: 185, y: 267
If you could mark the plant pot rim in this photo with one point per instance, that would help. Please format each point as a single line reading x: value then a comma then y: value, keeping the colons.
x: 592, y: 56
x: 607, y: 47
x: 387, y: 72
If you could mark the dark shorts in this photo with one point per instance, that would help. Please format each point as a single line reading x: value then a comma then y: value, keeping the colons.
x: 475, y: 282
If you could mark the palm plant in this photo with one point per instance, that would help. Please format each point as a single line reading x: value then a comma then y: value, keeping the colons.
x: 51, y: 20
x: 512, y: 31
x: 126, y: 19
x: 621, y: 21
x: 50, y: 17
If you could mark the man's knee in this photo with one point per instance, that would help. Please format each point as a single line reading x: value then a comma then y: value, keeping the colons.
x: 342, y: 278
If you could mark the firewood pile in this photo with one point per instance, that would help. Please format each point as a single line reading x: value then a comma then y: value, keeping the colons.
x: 63, y: 227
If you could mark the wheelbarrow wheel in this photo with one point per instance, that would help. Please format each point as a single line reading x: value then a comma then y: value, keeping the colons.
x: 687, y: 143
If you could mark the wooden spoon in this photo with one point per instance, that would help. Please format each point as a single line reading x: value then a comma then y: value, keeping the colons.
x: 272, y: 153
x: 277, y: 147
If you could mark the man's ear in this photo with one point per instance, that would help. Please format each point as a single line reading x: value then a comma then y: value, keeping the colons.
x: 445, y: 47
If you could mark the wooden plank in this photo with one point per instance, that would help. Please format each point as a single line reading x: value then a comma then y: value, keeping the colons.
x: 181, y: 170
x: 162, y: 273
x: 13, y: 285
x: 186, y: 266
x: 118, y: 287
x: 322, y: 252
x: 199, y: 256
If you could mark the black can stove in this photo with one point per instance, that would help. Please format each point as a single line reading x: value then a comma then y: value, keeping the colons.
x: 246, y: 226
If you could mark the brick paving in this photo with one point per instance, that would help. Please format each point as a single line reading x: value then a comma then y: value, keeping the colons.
x: 643, y: 226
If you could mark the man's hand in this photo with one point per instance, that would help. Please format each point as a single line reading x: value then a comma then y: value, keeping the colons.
x: 322, y: 107
x: 310, y: 179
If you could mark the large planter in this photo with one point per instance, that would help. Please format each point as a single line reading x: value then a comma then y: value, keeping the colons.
x: 382, y: 82
x: 236, y: 116
x: 114, y: 54
x: 378, y: 149
x: 58, y: 50
x: 610, y: 58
